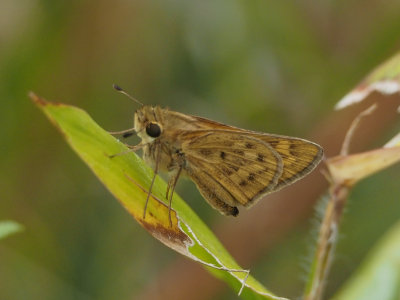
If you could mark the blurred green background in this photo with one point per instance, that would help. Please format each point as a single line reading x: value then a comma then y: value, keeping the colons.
x: 272, y: 66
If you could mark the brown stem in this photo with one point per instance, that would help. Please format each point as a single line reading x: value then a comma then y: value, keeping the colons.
x: 329, y: 229
x: 326, y: 241
x: 353, y: 127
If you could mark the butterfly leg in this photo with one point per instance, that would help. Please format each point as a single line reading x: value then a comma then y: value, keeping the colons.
x: 131, y: 149
x: 168, y: 187
x: 158, y: 156
x: 172, y: 174
x: 170, y: 190
x: 125, y: 133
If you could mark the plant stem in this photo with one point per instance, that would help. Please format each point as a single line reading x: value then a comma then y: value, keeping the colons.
x: 326, y: 241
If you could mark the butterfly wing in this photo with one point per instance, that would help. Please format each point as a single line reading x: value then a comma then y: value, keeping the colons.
x: 238, y: 168
x: 230, y: 168
x: 299, y: 157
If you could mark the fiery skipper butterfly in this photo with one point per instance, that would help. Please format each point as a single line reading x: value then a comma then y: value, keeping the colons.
x: 230, y: 166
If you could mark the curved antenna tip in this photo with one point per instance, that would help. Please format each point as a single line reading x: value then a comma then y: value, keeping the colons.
x: 117, y: 87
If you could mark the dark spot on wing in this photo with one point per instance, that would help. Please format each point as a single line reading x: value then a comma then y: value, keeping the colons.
x: 251, y: 177
x: 260, y: 157
x: 234, y: 211
x: 249, y: 145
x: 243, y: 183
x: 292, y: 149
x: 222, y: 154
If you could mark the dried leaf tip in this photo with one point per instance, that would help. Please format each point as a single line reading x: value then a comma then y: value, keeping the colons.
x: 32, y: 95
x: 36, y: 99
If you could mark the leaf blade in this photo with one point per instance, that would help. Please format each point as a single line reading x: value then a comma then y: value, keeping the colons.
x: 379, y: 275
x: 126, y: 178
x: 385, y: 79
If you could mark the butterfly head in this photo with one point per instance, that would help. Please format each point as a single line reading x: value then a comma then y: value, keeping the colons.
x: 146, y: 124
x: 145, y: 121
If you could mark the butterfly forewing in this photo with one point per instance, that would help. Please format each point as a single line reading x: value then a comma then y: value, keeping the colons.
x: 299, y: 156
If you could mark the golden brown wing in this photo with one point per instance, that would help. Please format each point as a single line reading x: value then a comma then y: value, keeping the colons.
x: 299, y: 156
x: 231, y: 167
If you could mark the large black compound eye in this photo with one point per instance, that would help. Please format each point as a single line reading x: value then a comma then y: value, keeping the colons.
x: 153, y: 130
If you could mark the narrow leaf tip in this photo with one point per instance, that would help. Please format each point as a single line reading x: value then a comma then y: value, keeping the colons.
x: 35, y: 98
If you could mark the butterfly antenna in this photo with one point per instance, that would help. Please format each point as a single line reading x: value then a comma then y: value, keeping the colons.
x: 119, y: 89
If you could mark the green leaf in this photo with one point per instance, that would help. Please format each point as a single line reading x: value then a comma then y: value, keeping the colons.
x: 379, y: 275
x: 8, y: 227
x: 128, y: 179
x: 385, y: 79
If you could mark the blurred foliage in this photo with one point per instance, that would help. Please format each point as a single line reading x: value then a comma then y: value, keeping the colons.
x: 8, y: 227
x: 274, y: 66
x: 379, y: 276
